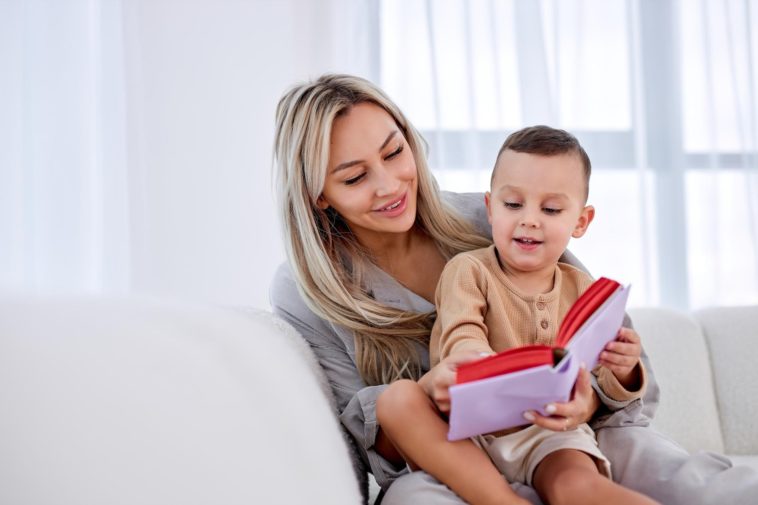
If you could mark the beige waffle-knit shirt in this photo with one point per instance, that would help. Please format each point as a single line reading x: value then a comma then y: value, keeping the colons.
x: 480, y: 309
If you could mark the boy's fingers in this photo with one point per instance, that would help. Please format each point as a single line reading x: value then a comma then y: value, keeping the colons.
x: 628, y: 335
x: 464, y: 357
x: 623, y: 348
x: 612, y: 358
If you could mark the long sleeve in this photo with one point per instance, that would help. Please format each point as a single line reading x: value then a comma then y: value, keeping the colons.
x: 461, y: 310
x: 354, y: 401
x: 471, y: 206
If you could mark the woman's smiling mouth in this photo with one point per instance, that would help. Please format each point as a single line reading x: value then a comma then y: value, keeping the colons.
x: 395, y: 207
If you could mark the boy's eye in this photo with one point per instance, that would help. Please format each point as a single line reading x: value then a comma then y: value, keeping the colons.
x: 512, y: 205
x: 551, y: 211
x: 353, y: 180
x: 395, y: 152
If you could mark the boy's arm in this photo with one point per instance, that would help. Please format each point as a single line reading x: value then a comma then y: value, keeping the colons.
x: 461, y: 300
x: 651, y: 392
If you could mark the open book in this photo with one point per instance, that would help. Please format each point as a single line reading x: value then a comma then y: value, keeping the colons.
x: 492, y: 394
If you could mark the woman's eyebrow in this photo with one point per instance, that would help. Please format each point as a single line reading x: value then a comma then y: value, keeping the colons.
x: 349, y: 164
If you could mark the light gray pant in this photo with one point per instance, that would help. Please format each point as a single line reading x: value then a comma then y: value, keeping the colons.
x: 420, y: 487
x: 642, y: 459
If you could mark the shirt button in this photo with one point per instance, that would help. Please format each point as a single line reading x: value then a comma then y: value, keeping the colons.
x: 544, y: 324
x: 540, y: 305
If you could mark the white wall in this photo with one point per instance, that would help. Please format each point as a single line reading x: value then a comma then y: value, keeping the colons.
x: 203, y: 80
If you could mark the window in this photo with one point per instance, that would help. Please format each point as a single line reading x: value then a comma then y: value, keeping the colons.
x: 661, y: 94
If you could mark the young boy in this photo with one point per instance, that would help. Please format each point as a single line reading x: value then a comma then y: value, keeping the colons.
x: 516, y: 293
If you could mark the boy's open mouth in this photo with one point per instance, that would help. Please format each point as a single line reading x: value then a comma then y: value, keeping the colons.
x: 527, y: 241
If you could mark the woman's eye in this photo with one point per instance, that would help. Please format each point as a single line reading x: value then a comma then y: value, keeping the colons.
x: 551, y: 211
x: 513, y: 205
x: 355, y: 179
x: 394, y: 153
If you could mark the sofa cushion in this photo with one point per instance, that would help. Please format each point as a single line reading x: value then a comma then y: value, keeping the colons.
x: 732, y: 337
x: 140, y: 401
x: 679, y: 357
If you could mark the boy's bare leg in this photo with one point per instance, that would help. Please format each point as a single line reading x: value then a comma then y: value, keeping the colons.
x: 571, y: 477
x: 412, y: 422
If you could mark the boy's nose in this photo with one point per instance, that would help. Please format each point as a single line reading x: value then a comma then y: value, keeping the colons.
x: 529, y: 222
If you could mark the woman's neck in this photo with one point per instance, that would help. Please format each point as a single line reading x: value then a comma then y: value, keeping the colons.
x: 411, y: 258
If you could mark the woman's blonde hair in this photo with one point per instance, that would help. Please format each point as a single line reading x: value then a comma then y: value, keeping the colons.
x: 326, y: 258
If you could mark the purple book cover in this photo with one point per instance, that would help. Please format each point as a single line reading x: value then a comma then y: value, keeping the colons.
x: 497, y: 403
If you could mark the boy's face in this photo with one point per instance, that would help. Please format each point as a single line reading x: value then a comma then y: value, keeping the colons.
x: 536, y: 205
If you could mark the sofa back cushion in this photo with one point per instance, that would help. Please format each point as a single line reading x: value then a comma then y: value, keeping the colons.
x: 732, y: 337
x: 679, y: 356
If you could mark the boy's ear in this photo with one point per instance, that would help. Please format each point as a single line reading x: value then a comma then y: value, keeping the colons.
x: 585, y: 218
x: 487, y: 201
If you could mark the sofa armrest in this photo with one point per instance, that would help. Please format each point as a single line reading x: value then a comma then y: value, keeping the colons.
x: 142, y: 401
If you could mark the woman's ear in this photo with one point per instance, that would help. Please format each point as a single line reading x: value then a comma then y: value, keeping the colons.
x: 585, y: 218
x: 321, y: 203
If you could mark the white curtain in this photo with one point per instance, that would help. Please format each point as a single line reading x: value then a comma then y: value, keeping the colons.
x: 135, y: 139
x: 135, y: 136
x: 661, y: 93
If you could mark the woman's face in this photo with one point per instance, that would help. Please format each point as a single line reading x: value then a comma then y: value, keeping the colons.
x: 371, y: 178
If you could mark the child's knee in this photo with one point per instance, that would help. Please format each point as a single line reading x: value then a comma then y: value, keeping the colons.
x: 400, y: 397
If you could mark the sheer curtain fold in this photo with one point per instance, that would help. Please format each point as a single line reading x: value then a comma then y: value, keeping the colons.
x: 64, y: 225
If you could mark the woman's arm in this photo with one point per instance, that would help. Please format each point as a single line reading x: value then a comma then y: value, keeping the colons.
x: 355, y: 403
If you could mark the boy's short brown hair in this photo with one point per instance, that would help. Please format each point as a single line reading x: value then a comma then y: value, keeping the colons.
x: 546, y: 141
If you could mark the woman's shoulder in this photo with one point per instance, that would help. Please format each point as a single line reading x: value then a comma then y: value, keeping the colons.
x: 471, y: 207
x: 287, y: 302
x: 283, y: 285
x: 575, y: 276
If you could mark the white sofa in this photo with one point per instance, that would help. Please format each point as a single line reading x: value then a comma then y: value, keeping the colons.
x: 705, y: 365
x: 111, y: 401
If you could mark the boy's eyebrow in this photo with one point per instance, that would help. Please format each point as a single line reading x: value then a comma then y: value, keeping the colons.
x: 349, y: 164
x: 505, y: 187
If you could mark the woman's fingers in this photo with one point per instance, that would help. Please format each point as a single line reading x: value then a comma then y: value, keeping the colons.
x: 568, y: 415
x: 554, y: 422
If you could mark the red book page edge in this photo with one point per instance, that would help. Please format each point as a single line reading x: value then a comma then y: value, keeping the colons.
x: 584, y: 307
x: 512, y: 360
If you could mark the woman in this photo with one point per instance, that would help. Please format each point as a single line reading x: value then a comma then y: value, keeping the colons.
x: 367, y: 235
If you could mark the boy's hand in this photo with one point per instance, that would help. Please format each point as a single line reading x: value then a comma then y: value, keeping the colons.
x: 621, y: 357
x: 437, y: 381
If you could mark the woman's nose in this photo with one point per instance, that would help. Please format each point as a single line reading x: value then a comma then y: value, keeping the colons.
x: 387, y: 183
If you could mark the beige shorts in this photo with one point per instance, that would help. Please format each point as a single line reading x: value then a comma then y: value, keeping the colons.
x: 518, y: 454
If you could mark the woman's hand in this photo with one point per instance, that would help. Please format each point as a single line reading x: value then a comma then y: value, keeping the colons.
x: 569, y: 415
x: 437, y: 380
